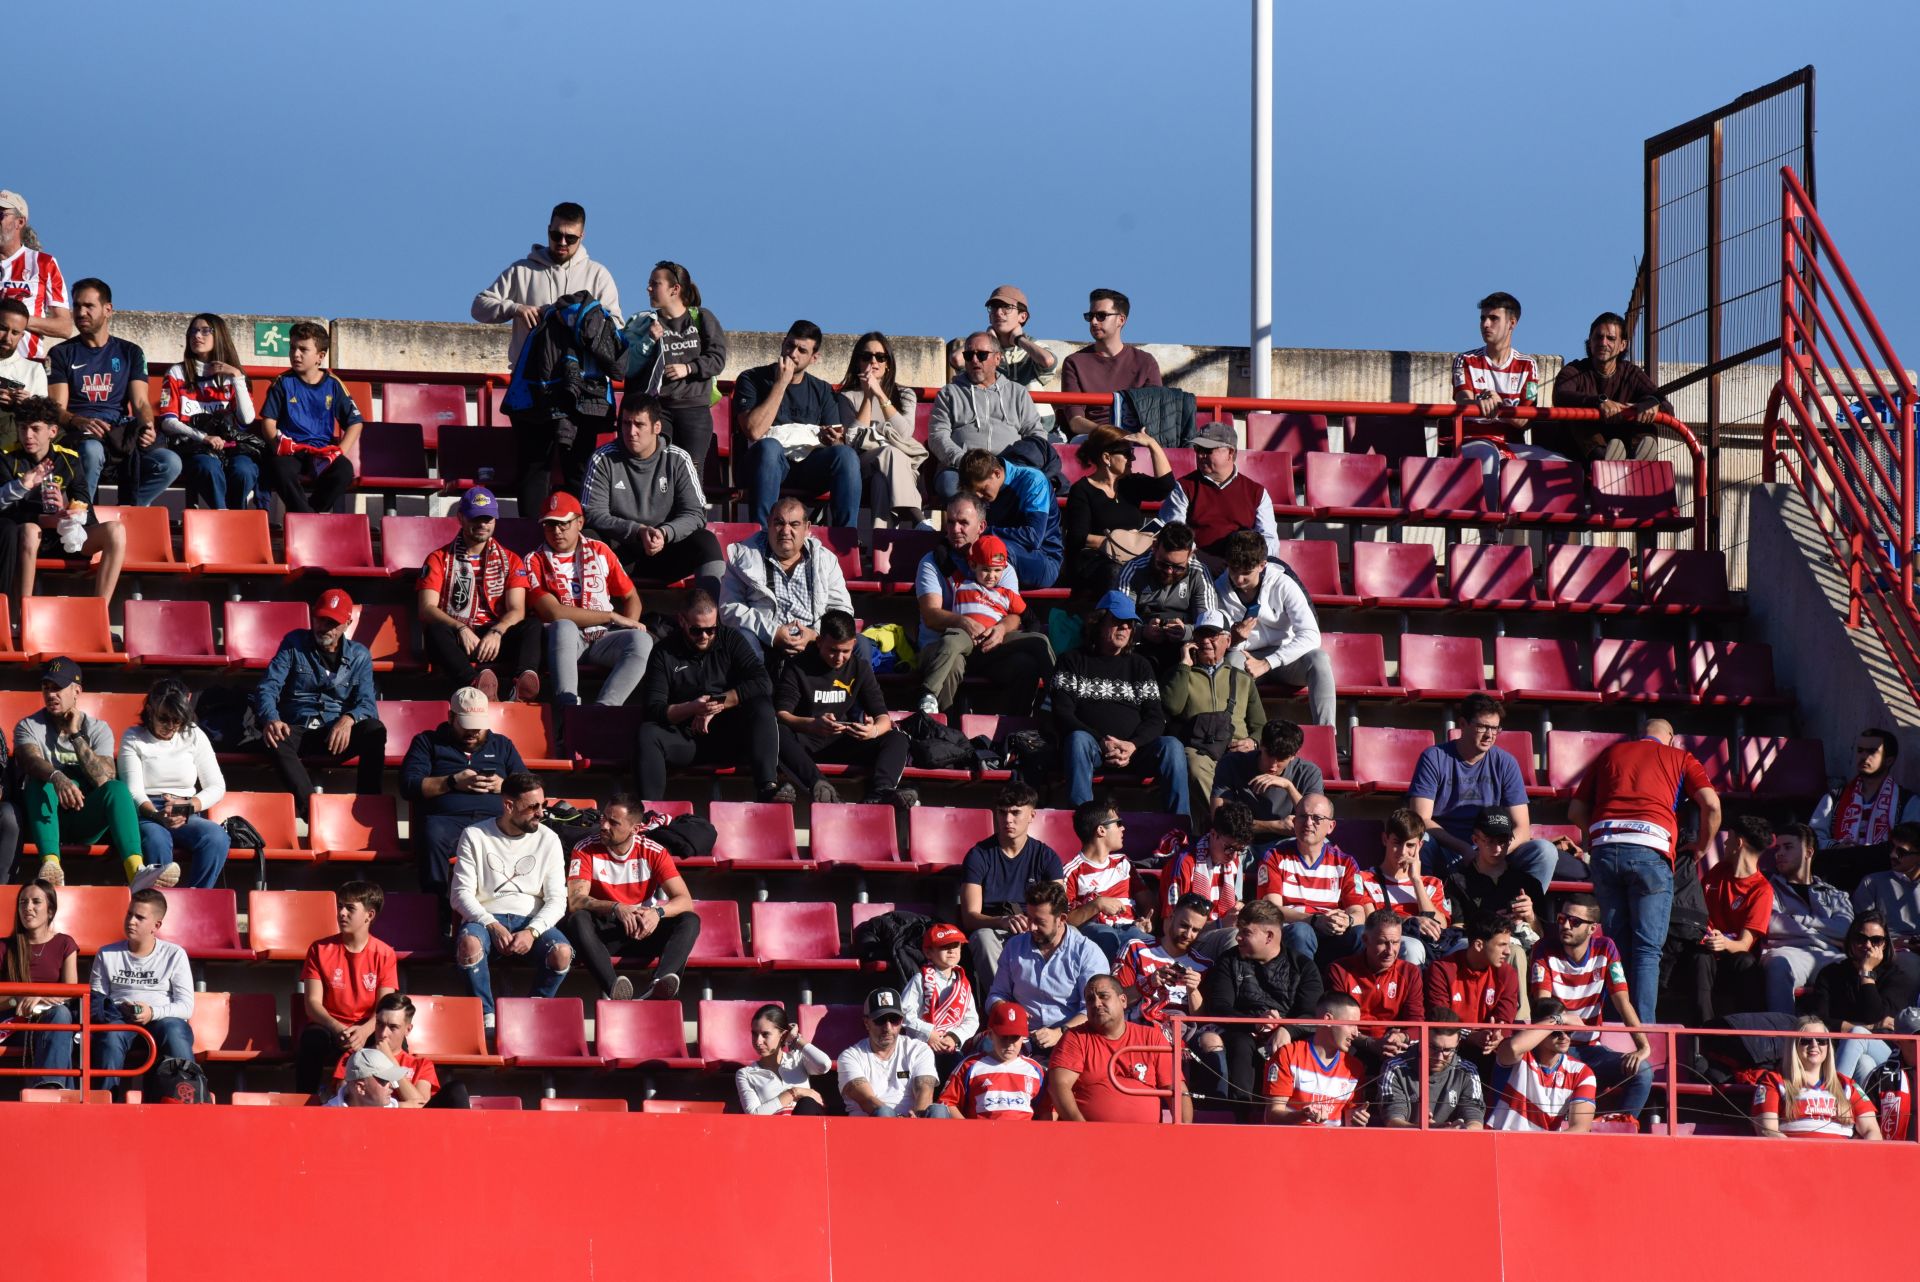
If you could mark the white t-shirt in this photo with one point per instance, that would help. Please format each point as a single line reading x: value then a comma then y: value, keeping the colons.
x: 888, y: 1077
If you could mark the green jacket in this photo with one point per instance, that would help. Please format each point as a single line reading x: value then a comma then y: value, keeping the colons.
x: 1189, y: 692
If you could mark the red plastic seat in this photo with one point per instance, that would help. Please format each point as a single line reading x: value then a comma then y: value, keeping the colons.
x: 405, y: 541
x: 553, y: 1104
x: 642, y: 1035
x: 855, y: 836
x: 832, y: 1028
x: 235, y: 1028
x: 283, y: 924
x: 1638, y: 672
x: 1294, y: 434
x: 1715, y: 756
x: 172, y: 634
x: 119, y: 710
x: 1273, y: 470
x: 755, y: 835
x: 270, y: 1099
x: 1490, y: 576
x: 253, y: 630
x: 387, y: 632
x: 1443, y: 489
x: 75, y: 626
x: 1350, y: 487
x: 1683, y: 581
x: 272, y: 815
x: 203, y: 923
x: 531, y: 728
x: 328, y: 543
x: 431, y: 405
x: 1518, y: 744
x: 1397, y: 576
x: 940, y: 836
x: 1317, y: 563
x: 343, y: 827
x: 409, y: 922
x: 1441, y: 668
x: 726, y: 1033
x: 450, y: 1031
x: 464, y: 452
x: 728, y: 533
x: 600, y: 737
x: 720, y: 946
x: 1732, y: 672
x: 494, y: 393
x: 1359, y: 661
x: 149, y: 537
x: 1776, y: 768
x: 1571, y: 753
x: 799, y: 936
x: 1542, y: 492
x: 94, y: 915
x: 226, y: 542
x: 1634, y: 494
x: 1055, y: 828
x: 543, y: 1032
x: 701, y: 1106
x: 1589, y: 580
x: 1071, y: 468
x: 1321, y: 747
x: 1537, y: 669
x: 393, y: 456
x: 896, y: 557
x: 845, y: 546
x: 859, y: 914
x: 1384, y: 756
x: 497, y: 1103
x: 405, y: 718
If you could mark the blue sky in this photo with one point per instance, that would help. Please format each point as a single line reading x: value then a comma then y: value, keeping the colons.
x: 870, y: 164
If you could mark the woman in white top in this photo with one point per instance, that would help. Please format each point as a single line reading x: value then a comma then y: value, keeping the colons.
x: 777, y: 1082
x: 205, y: 411
x: 880, y: 417
x: 167, y: 763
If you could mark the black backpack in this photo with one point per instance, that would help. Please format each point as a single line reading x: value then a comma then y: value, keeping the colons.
x: 935, y: 746
x: 570, y: 823
x: 687, y: 837
x: 893, y: 938
x: 179, y: 1081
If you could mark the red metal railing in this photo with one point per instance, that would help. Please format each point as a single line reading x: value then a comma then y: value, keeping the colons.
x: 1669, y: 1036
x: 79, y: 995
x: 1840, y: 425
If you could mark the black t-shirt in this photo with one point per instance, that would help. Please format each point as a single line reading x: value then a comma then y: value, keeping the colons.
x: 808, y: 688
x: 1469, y: 891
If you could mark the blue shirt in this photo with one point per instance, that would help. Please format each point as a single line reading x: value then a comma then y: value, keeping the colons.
x: 434, y: 752
x: 98, y: 379
x: 300, y: 687
x: 1459, y: 791
x: 1053, y: 989
x: 309, y: 413
x: 808, y: 400
x: 1005, y: 881
x: 1025, y: 513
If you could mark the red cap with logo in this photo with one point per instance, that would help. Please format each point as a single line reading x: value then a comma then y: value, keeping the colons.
x: 561, y: 506
x: 1007, y: 1019
x: 335, y: 604
x: 988, y: 551
x: 942, y: 935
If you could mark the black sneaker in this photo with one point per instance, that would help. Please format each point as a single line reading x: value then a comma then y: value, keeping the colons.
x: 781, y: 792
x: 825, y: 793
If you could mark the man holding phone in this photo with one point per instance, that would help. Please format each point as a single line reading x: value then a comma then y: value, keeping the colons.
x: 142, y: 979
x: 452, y: 775
x: 831, y: 709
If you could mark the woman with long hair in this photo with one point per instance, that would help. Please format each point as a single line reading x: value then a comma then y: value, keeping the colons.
x: 206, y: 413
x: 39, y: 954
x: 689, y: 351
x: 776, y: 1083
x: 168, y: 764
x: 1809, y: 1096
x: 1106, y: 503
x: 880, y: 412
x: 1862, y: 992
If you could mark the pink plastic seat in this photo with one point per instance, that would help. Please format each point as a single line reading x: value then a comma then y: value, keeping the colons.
x: 253, y: 630
x: 799, y: 936
x: 1317, y: 563
x: 387, y: 632
x: 1590, y: 580
x: 720, y: 946
x: 1443, y: 489
x: 1294, y: 434
x: 1490, y: 576
x: 1571, y: 753
x: 229, y: 542
x: 855, y: 836
x: 405, y: 541
x: 1320, y: 746
x: 203, y: 923
x: 940, y: 836
x: 1359, y: 661
x: 1273, y: 471
x: 1638, y: 672
x: 1634, y: 494
x: 393, y: 456
x: 543, y: 1032
x: 555, y: 1104
x: 1732, y: 672
x: 431, y: 405
x: 172, y: 634
x: 896, y: 557
x: 1350, y: 487
x: 1715, y: 756
x: 1542, y: 492
x: 726, y: 1032
x: 329, y: 543
x: 642, y: 1035
x: 1397, y: 576
x: 1683, y: 581
x: 832, y: 1028
x: 1384, y: 756
x: 405, y: 718
x: 755, y: 835
x: 1537, y: 669
x: 1055, y: 827
x: 1441, y: 668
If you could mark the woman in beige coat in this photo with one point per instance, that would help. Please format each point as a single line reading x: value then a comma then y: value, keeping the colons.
x: 880, y: 412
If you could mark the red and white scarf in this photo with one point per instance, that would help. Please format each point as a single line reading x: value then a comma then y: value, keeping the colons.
x: 1858, y: 823
x: 946, y: 1013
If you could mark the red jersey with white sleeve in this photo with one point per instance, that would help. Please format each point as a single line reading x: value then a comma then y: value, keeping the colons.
x: 1540, y: 1097
x: 1373, y: 892
x: 638, y: 876
x: 34, y: 277
x: 1192, y: 871
x: 1319, y: 885
x: 1515, y: 383
x: 1302, y: 1076
x: 1396, y: 993
x: 985, y: 1086
x: 1146, y: 967
x: 1114, y: 879
x: 1813, y: 1111
x: 1582, y: 985
x: 1490, y: 995
x: 1632, y: 791
x: 588, y: 578
x: 187, y: 398
x: 472, y: 584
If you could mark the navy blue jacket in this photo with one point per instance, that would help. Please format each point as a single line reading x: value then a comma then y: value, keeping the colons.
x: 433, y: 752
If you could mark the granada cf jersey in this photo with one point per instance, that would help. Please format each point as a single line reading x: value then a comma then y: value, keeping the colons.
x: 1515, y: 383
x: 33, y: 277
x: 984, y: 1087
x: 1303, y: 1076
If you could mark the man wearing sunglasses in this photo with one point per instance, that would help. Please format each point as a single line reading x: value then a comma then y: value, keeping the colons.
x: 1109, y: 365
x: 549, y: 272
x: 1896, y: 892
x: 983, y: 410
x: 1580, y: 968
x: 707, y: 698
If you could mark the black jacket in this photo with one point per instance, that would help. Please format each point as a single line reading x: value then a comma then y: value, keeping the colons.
x: 1837, y: 994
x: 677, y: 672
x: 1237, y: 985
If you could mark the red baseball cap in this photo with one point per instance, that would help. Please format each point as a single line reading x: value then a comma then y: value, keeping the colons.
x: 942, y: 935
x: 561, y: 506
x: 335, y: 604
x: 988, y: 550
x: 1007, y: 1019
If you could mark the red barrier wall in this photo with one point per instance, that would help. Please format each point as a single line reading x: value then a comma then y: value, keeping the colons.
x: 287, y: 1195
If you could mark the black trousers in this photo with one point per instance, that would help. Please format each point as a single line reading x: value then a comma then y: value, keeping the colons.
x: 1245, y: 1045
x: 314, y: 1058
x: 519, y: 652
x: 747, y: 732
x: 886, y: 757
x: 698, y: 555
x: 1015, y: 672
x: 599, y: 940
x: 546, y: 444
x: 1716, y: 984
x: 285, y: 475
x: 368, y: 742
x: 691, y: 428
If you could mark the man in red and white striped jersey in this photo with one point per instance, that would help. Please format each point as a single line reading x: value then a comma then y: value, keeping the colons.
x: 1315, y: 1081
x: 1498, y: 380
x: 1001, y: 1084
x: 1546, y: 1089
x: 1581, y: 968
x: 1210, y: 868
x: 32, y: 275
x: 626, y: 898
x: 1387, y: 986
x: 1100, y: 879
x: 1311, y: 881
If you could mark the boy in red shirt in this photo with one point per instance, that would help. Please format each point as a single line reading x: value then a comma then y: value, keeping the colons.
x: 1722, y: 972
x: 1315, y: 1082
x: 345, y: 977
x: 1477, y: 985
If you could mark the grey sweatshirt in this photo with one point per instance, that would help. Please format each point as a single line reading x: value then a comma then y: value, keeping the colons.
x: 162, y: 979
x: 969, y: 417
x: 622, y: 493
x: 536, y: 281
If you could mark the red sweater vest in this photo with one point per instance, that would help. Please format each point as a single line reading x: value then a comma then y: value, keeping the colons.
x: 1215, y: 511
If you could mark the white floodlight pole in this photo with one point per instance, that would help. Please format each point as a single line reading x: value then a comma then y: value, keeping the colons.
x: 1262, y: 344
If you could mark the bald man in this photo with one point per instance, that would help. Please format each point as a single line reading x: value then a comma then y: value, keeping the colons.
x: 1627, y: 805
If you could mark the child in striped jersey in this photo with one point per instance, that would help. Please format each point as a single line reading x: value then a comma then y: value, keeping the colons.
x: 982, y: 597
x: 999, y: 1084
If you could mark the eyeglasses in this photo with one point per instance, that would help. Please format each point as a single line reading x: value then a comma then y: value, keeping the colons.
x: 1484, y: 730
x: 978, y: 356
x: 1001, y: 305
x: 1874, y: 941
x: 1115, y: 822
x: 1098, y: 316
x: 562, y: 238
x: 198, y: 330
x: 1313, y: 820
x: 702, y: 632
x: 1565, y: 920
x: 874, y: 358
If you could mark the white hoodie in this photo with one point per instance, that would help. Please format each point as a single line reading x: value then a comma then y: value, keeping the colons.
x: 1284, y: 624
x: 536, y: 281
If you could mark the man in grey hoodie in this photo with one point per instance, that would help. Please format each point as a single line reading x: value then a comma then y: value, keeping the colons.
x: 644, y: 500
x: 548, y: 272
x: 779, y: 583
x: 982, y: 411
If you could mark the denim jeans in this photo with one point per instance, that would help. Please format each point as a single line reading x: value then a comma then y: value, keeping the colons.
x: 147, y: 473
x: 1112, y: 939
x: 834, y: 468
x: 1790, y: 967
x: 173, y: 1039
x: 1165, y: 759
x: 204, y: 843
x: 1856, y: 1057
x: 1305, y: 941
x: 623, y: 651
x: 1619, y: 1093
x: 93, y: 459
x: 230, y: 482
x: 481, y: 980
x: 1036, y: 569
x: 888, y: 1110
x: 1634, y: 885
x: 55, y: 1050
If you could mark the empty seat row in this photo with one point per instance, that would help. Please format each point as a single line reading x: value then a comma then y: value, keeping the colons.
x: 1576, y: 579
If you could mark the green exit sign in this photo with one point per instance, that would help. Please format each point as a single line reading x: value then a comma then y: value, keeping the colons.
x: 270, y: 338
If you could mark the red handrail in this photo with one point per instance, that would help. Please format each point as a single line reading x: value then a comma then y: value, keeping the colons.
x: 80, y: 994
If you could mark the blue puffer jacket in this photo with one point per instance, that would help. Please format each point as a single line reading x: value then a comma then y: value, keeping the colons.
x: 1026, y: 515
x: 298, y: 687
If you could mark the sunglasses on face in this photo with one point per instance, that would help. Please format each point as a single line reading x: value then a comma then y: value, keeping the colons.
x: 978, y: 356
x: 1874, y: 941
x: 562, y: 238
x: 1098, y: 316
x: 703, y: 632
x: 874, y: 358
x: 1574, y: 921
x: 999, y: 306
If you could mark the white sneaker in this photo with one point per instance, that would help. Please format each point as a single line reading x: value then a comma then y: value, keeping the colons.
x: 929, y: 705
x: 157, y: 877
x: 51, y: 872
